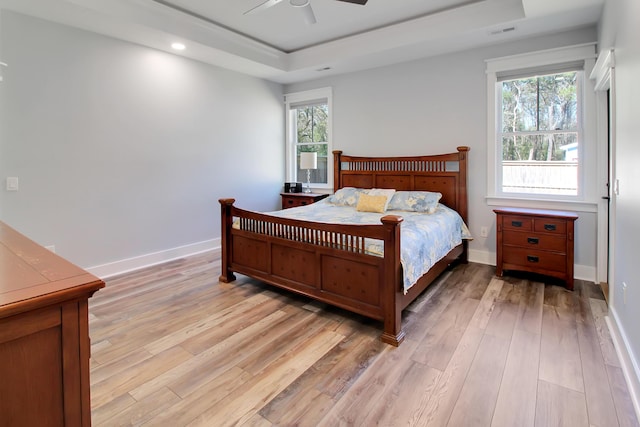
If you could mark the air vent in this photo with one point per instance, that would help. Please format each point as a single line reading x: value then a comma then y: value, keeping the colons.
x: 502, y: 31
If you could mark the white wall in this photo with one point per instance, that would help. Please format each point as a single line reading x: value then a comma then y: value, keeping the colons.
x: 122, y: 150
x: 432, y: 106
x: 620, y: 30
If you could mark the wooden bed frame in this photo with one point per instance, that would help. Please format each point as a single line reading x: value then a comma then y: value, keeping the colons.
x: 327, y: 262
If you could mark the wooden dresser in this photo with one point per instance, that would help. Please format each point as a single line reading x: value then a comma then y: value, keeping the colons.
x: 291, y: 200
x: 535, y: 240
x: 44, y: 335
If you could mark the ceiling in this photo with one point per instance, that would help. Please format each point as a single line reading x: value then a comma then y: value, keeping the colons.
x: 277, y: 44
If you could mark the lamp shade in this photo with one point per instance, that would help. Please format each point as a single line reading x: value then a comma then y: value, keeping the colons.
x: 309, y: 160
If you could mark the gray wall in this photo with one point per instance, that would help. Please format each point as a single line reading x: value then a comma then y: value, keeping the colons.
x: 431, y: 106
x: 620, y: 30
x: 122, y: 150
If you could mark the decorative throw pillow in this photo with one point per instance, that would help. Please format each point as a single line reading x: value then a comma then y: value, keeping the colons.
x: 347, y: 196
x: 415, y: 201
x: 368, y: 203
x: 387, y: 192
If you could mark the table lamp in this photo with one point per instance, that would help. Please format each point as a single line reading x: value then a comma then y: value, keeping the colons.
x: 308, y: 161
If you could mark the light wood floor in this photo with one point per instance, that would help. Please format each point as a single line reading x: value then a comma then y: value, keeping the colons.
x: 172, y: 346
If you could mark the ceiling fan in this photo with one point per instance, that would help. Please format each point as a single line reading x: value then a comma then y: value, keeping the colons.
x: 304, y: 5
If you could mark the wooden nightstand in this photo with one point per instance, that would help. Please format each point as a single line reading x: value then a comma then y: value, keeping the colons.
x: 291, y: 200
x: 535, y: 240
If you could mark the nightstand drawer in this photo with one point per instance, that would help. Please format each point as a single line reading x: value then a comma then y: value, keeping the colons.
x: 550, y: 225
x: 292, y: 203
x: 517, y: 222
x: 536, y: 241
x: 292, y: 200
x: 535, y: 259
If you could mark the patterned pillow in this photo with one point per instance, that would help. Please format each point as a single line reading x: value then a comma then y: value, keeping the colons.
x: 386, y: 192
x: 347, y: 196
x: 368, y: 203
x: 414, y: 201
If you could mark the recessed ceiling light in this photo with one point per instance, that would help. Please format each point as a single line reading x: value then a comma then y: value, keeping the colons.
x: 178, y: 46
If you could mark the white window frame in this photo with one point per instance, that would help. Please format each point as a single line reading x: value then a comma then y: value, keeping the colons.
x: 290, y: 150
x: 587, y: 198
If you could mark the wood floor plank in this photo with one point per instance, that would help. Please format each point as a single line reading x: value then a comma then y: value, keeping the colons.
x: 357, y: 404
x: 559, y: 350
x: 117, y: 384
x: 516, y: 403
x: 116, y: 405
x: 440, y: 342
x: 624, y: 405
x: 600, y: 405
x: 329, y: 378
x: 530, y: 311
x: 177, y: 337
x: 208, y: 394
x: 204, y: 366
x: 558, y: 406
x: 447, y: 389
x: 410, y: 396
x: 600, y: 310
x: 145, y: 409
x: 477, y: 399
x: 483, y: 313
x: 248, y: 399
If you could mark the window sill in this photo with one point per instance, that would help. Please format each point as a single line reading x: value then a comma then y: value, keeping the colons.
x: 568, y: 205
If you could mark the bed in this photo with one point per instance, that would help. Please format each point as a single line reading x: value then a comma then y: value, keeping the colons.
x: 330, y: 262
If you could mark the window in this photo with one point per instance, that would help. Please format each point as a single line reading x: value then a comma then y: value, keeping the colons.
x: 539, y: 137
x: 540, y: 130
x: 308, y: 122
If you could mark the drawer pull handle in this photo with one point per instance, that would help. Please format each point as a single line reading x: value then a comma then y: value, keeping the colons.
x: 516, y: 223
x: 550, y: 227
x: 533, y: 240
x: 532, y: 258
x: 290, y: 202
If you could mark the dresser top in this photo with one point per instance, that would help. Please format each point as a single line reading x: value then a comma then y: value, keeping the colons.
x: 537, y: 212
x: 32, y: 276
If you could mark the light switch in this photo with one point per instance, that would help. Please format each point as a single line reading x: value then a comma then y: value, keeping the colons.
x: 12, y: 183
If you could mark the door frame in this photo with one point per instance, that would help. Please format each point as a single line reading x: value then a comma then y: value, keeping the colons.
x: 604, y: 75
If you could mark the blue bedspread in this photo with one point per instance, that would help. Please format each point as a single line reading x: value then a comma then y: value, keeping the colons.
x: 425, y: 237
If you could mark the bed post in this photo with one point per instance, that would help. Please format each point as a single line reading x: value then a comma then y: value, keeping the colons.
x: 226, y: 221
x: 392, y: 282
x: 337, y: 165
x: 463, y: 208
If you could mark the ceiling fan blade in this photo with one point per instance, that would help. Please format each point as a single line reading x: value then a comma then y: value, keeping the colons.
x: 307, y: 10
x: 309, y: 16
x: 360, y: 2
x: 267, y: 4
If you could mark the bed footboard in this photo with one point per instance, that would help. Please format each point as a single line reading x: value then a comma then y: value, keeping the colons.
x: 327, y: 262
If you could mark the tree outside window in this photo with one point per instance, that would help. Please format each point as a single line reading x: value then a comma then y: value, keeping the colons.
x: 540, y: 134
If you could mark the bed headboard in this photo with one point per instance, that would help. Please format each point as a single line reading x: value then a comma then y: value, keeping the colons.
x: 444, y: 173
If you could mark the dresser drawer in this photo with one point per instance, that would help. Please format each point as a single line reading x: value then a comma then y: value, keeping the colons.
x: 550, y: 225
x: 535, y: 241
x: 535, y: 259
x: 517, y: 222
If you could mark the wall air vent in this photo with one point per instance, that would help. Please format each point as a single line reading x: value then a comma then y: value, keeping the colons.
x: 502, y: 31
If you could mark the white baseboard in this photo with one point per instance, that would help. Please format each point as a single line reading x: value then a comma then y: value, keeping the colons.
x: 115, y: 268
x: 582, y: 272
x: 627, y: 358
x: 482, y: 257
